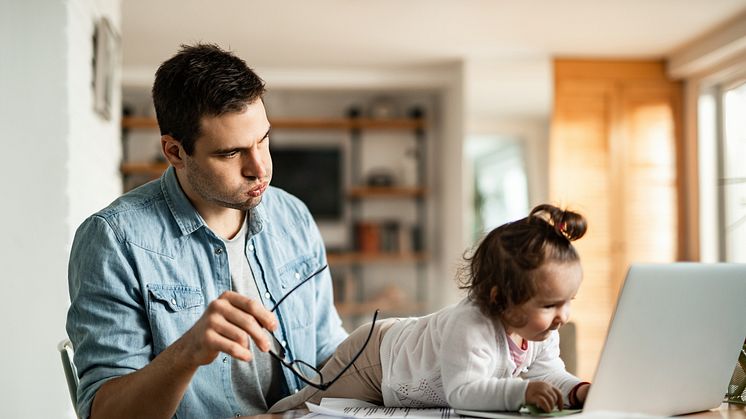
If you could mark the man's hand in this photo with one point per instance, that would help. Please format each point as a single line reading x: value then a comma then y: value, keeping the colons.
x: 544, y: 396
x: 226, y: 326
x: 155, y: 390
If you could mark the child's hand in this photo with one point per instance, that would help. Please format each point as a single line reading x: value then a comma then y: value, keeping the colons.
x: 544, y: 396
x: 582, y: 393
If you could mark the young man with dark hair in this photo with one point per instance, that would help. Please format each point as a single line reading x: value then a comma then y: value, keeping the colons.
x: 171, y: 285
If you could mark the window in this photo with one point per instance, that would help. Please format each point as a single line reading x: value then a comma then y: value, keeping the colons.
x: 722, y: 184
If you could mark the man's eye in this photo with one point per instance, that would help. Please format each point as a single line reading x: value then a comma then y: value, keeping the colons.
x: 230, y: 154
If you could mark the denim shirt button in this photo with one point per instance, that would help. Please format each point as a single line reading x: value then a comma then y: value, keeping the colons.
x: 284, y: 344
x: 225, y: 359
x: 251, y: 247
x: 297, y: 275
x: 218, y: 251
x: 267, y: 295
x: 173, y: 301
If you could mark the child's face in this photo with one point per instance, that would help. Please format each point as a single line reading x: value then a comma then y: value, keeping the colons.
x: 550, y: 307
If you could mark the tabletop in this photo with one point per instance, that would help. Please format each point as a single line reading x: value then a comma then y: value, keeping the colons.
x: 725, y: 411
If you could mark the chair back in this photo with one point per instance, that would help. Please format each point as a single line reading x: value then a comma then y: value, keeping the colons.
x: 71, y: 373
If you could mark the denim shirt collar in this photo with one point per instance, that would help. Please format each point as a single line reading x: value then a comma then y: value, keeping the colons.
x: 187, y: 217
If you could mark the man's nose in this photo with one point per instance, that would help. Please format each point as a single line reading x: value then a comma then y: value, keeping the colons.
x: 254, y: 166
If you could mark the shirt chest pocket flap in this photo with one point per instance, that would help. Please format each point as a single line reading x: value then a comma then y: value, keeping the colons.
x: 172, y: 310
x: 175, y: 298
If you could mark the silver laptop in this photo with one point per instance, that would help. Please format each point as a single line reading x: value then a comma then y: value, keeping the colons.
x: 673, y: 341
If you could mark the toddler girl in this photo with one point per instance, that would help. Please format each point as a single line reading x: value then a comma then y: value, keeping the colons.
x: 497, y: 349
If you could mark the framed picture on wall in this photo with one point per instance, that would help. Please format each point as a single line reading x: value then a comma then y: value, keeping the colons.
x: 105, y: 54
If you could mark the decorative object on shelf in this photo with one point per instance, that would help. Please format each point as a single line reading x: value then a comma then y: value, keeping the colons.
x: 105, y: 60
x: 367, y: 237
x: 416, y: 112
x: 354, y: 112
x: 383, y: 108
x: 380, y: 177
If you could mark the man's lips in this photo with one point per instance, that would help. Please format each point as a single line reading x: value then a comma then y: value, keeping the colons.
x: 258, y: 190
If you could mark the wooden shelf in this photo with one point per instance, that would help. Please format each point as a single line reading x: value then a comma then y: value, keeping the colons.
x: 149, y: 169
x: 144, y: 122
x: 346, y: 258
x: 139, y: 122
x: 387, y: 192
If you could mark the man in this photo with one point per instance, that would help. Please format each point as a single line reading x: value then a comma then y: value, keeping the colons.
x: 171, y: 285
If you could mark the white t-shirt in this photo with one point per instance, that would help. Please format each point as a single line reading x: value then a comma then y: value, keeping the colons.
x: 460, y: 358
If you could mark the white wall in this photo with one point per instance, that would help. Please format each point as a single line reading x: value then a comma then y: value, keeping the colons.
x: 43, y: 85
x: 512, y: 97
x: 95, y: 146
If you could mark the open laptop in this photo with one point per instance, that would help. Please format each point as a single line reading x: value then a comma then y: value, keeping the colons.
x: 673, y: 341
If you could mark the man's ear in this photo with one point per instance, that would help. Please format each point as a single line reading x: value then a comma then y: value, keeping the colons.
x: 172, y: 151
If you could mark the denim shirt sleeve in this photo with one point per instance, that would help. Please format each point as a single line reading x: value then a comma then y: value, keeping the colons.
x: 106, y: 322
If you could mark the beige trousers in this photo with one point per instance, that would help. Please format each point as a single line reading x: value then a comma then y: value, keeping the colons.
x: 361, y: 381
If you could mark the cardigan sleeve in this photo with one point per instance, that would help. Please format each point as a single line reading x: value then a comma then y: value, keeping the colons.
x: 547, y: 366
x: 474, y: 370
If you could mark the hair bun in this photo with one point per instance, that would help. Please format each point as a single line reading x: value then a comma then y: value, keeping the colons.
x: 568, y: 224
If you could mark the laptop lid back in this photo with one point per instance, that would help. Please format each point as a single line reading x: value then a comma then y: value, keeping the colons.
x: 673, y: 341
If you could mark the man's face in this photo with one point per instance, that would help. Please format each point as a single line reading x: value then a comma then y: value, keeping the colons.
x: 231, y: 166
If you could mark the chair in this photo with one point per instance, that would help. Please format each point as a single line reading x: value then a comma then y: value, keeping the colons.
x: 71, y: 373
x: 568, y: 347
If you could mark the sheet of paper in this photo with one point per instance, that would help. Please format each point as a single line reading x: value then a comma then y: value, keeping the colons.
x: 359, y: 409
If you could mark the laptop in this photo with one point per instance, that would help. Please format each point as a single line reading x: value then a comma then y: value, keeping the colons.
x: 673, y: 341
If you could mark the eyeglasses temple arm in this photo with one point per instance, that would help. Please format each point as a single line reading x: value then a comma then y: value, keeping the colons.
x: 370, y: 333
x: 298, y: 285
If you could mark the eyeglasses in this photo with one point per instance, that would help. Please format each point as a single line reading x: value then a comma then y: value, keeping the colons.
x: 308, y: 373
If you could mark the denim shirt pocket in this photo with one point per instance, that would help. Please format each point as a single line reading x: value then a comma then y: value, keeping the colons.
x: 300, y: 303
x: 172, y: 310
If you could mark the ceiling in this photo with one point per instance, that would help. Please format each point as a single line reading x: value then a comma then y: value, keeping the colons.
x: 375, y: 33
x: 505, y: 45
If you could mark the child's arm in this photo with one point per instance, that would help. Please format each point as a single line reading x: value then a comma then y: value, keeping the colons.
x: 476, y: 374
x: 547, y: 366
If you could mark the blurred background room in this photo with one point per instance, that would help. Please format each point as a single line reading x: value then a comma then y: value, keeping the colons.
x: 409, y: 129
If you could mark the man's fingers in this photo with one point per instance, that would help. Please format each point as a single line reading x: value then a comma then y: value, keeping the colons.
x: 249, y: 325
x: 230, y: 347
x: 242, y: 312
x: 229, y: 330
x: 264, y: 317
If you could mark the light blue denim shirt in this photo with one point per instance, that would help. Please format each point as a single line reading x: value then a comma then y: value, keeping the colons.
x: 143, y: 270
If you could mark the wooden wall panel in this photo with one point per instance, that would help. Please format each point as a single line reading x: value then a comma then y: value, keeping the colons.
x: 613, y: 157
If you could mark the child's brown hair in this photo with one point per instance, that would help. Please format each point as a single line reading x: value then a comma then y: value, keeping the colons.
x: 509, y: 257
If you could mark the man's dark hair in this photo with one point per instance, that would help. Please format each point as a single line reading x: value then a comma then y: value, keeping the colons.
x: 201, y: 80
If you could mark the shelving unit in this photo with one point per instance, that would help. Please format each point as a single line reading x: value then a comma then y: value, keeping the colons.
x: 353, y: 302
